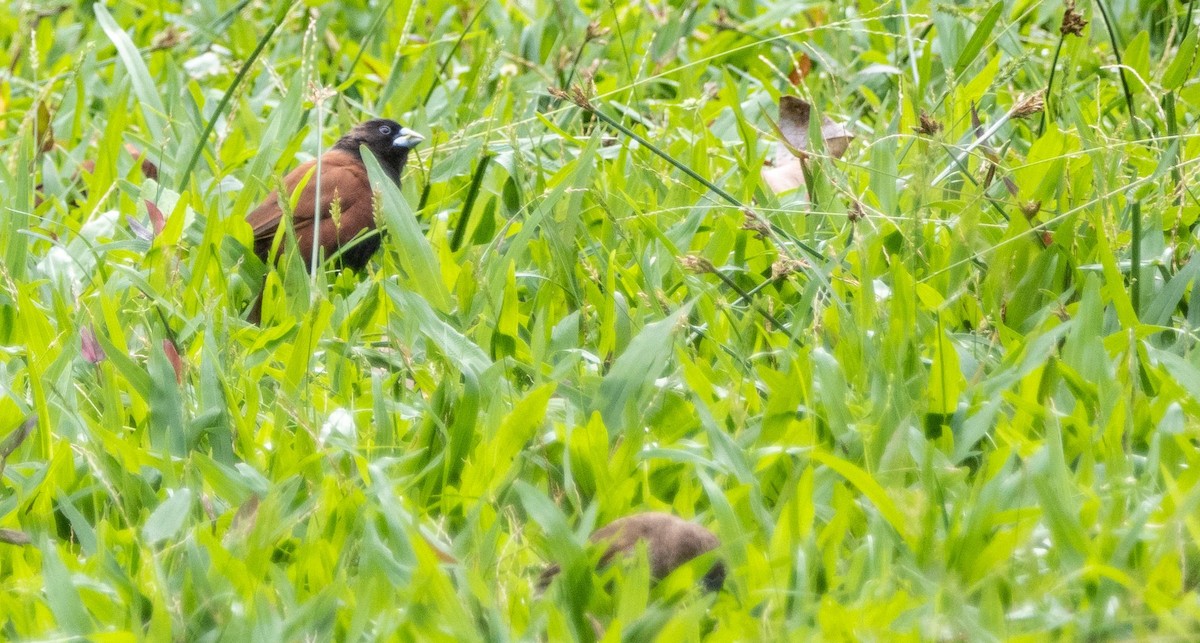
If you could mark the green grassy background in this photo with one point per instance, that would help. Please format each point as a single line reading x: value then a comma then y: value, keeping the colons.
x: 973, y: 415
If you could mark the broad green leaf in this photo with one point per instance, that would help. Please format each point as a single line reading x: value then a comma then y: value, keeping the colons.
x: 981, y: 84
x: 640, y: 364
x: 169, y: 517
x: 1137, y: 57
x: 984, y: 31
x: 458, y: 348
x: 1041, y: 176
x: 1052, y: 481
x: 422, y: 274
x: 144, y: 86
x: 61, y: 593
x: 1185, y: 60
x: 946, y: 381
x: 869, y: 487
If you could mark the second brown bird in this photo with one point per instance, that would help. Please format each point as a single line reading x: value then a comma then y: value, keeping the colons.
x: 343, y: 180
x: 670, y: 541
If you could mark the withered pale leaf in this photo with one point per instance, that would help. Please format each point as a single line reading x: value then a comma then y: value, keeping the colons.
x: 783, y: 178
x: 795, y: 116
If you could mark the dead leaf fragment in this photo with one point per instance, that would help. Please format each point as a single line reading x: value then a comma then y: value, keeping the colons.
x: 795, y: 116
x: 783, y: 178
x: 801, y: 67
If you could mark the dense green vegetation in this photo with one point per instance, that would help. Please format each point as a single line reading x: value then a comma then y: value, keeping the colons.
x: 947, y: 388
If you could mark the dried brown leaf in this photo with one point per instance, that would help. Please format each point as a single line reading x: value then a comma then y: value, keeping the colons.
x: 801, y: 67
x: 795, y: 117
x: 781, y: 179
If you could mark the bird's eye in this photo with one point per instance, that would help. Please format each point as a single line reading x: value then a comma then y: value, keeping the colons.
x: 385, y: 130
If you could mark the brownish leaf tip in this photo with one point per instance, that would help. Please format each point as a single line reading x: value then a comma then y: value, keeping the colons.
x: 45, y: 128
x: 801, y: 67
x: 149, y: 169
x: 439, y: 550
x: 246, y: 514
x: 173, y: 356
x: 156, y: 217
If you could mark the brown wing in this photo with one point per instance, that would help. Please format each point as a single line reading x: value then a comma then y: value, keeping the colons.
x: 670, y: 541
x: 343, y: 178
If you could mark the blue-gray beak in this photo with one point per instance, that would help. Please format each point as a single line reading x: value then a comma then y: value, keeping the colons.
x: 407, y: 139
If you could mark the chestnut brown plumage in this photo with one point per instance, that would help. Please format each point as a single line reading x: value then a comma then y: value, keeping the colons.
x: 670, y: 542
x: 343, y: 180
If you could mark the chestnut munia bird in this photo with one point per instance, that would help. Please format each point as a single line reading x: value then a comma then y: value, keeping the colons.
x: 343, y: 180
x: 670, y: 541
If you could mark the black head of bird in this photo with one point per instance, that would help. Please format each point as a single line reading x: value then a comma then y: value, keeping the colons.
x: 388, y: 140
